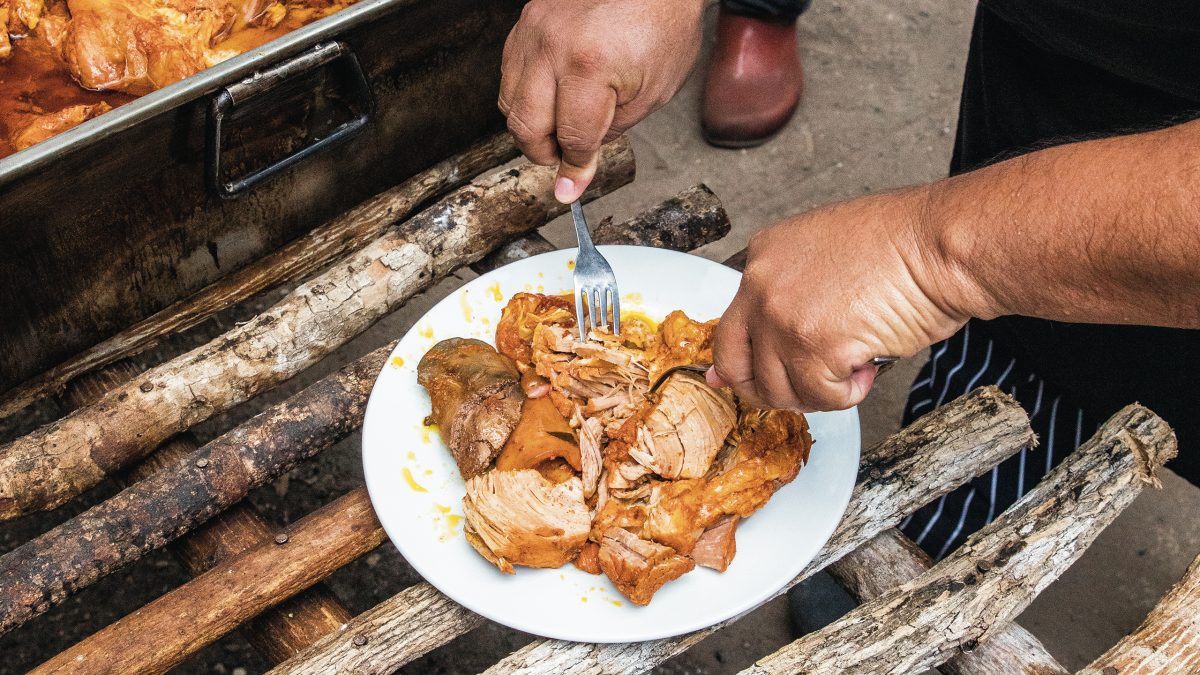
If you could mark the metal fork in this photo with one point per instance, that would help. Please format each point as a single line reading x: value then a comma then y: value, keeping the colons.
x: 594, y: 279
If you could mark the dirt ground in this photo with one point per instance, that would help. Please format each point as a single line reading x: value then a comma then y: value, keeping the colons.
x: 879, y: 112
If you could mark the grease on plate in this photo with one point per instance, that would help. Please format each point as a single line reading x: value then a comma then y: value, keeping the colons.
x: 397, y: 362
x: 412, y: 482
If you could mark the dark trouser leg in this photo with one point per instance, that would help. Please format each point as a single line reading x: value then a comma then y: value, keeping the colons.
x: 783, y: 10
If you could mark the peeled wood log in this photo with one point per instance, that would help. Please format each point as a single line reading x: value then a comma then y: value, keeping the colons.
x: 155, y: 511
x: 277, y: 633
x: 174, y: 500
x: 294, y: 261
x: 891, y: 559
x: 165, y: 632
x: 53, y: 464
x: 1168, y: 641
x: 1000, y: 569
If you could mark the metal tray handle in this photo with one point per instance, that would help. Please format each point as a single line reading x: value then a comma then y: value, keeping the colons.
x: 229, y: 98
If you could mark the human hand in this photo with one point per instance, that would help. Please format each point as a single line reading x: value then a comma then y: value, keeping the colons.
x: 825, y: 292
x: 578, y: 73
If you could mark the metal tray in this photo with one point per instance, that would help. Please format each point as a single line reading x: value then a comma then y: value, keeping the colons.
x: 117, y: 218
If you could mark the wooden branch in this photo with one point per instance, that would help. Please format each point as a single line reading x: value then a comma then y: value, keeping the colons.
x: 282, y: 630
x: 294, y: 261
x: 1168, y: 641
x: 1000, y: 569
x: 891, y: 559
x: 163, y: 633
x: 174, y: 500
x: 420, y: 618
x: 53, y: 464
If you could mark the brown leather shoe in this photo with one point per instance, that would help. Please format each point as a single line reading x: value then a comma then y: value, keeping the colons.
x: 754, y: 81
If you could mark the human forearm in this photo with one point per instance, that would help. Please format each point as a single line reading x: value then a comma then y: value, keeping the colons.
x: 1104, y: 231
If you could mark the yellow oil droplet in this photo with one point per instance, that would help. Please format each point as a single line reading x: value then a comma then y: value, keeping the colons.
x: 427, y: 331
x: 494, y: 289
x: 634, y: 315
x: 562, y: 577
x: 632, y: 297
x: 583, y: 598
x: 541, y: 275
x: 541, y: 288
x: 412, y: 482
x: 425, y: 438
x: 485, y: 321
x: 397, y: 362
x: 412, y: 456
x: 616, y: 603
x: 571, y: 264
x: 466, y: 307
x: 453, y: 521
x: 442, y: 509
x: 428, y: 472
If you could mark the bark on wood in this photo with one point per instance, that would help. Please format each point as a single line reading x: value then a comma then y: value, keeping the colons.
x: 157, y: 510
x: 294, y: 261
x: 413, y: 622
x: 163, y: 633
x: 174, y: 500
x: 891, y: 559
x: 277, y: 633
x: 53, y: 464
x: 1000, y: 569
x: 691, y: 218
x: 1168, y: 641
x: 932, y: 456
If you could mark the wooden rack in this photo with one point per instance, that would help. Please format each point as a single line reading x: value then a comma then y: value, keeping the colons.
x: 133, y: 426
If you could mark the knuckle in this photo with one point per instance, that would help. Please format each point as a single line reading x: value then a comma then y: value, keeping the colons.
x: 577, y: 140
x: 587, y: 59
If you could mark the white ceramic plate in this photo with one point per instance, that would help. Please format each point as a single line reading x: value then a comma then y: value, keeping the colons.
x: 417, y: 491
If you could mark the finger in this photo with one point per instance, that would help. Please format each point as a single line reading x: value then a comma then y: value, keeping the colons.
x: 585, y: 107
x: 772, y: 381
x: 732, y: 360
x: 531, y: 114
x: 819, y: 388
x: 512, y: 62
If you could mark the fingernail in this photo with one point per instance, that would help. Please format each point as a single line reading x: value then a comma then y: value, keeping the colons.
x: 564, y: 190
x: 714, y: 380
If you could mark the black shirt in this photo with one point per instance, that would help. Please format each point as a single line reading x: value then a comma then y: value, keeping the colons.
x: 1044, y: 72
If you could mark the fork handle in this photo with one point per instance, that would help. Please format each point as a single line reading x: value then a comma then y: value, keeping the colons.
x: 581, y: 227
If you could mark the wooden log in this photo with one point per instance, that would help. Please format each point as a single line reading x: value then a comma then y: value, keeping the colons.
x: 294, y: 261
x: 891, y: 559
x: 1168, y: 641
x: 282, y: 630
x: 163, y: 633
x: 981, y: 586
x: 174, y: 500
x: 694, y: 215
x: 53, y: 464
x: 931, y: 457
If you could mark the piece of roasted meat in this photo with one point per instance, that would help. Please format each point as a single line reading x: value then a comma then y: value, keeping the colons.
x: 592, y: 467
x: 476, y: 397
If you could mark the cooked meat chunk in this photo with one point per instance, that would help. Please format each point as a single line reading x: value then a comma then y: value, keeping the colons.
x: 49, y: 124
x: 522, y: 315
x: 681, y: 341
x: 138, y: 47
x: 603, y: 375
x: 716, y: 547
x: 638, y: 567
x: 588, y: 559
x: 476, y: 397
x: 520, y: 518
x: 541, y: 434
x: 590, y: 433
x: 684, y: 428
x: 771, y: 450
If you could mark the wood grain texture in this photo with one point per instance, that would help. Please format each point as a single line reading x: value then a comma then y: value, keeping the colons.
x: 166, y: 631
x: 292, y: 262
x: 174, y: 500
x: 46, y: 468
x: 280, y: 631
x: 1168, y: 641
x: 981, y: 586
x: 891, y: 559
x: 932, y: 456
